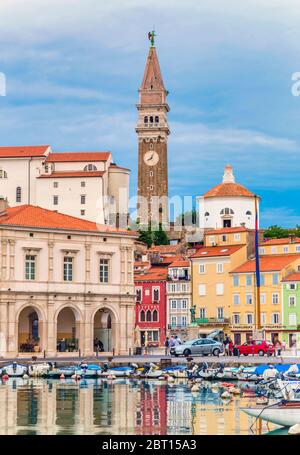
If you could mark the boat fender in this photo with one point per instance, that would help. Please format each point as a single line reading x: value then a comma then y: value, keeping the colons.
x: 25, y: 376
x: 295, y: 429
x: 62, y: 376
x: 195, y: 388
x: 5, y: 377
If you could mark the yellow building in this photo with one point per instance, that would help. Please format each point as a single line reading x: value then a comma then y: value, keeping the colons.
x: 211, y: 284
x: 288, y: 245
x: 273, y: 268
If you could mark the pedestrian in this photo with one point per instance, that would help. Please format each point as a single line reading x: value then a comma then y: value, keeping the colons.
x: 278, y: 347
x: 167, y: 346
x: 177, y: 341
x: 226, y: 344
x: 172, y: 341
x: 283, y: 344
x: 230, y: 347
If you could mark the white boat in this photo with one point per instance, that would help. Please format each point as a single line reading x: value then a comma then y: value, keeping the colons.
x: 151, y: 372
x: 285, y: 414
x: 227, y: 373
x: 247, y: 374
x: 88, y: 371
x: 14, y: 370
x: 38, y: 370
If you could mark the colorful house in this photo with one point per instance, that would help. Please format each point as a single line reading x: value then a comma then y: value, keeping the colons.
x: 150, y: 289
x: 291, y: 309
x: 211, y: 285
x: 288, y: 245
x: 273, y: 269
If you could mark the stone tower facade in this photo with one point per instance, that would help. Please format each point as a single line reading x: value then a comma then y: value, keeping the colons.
x: 152, y: 130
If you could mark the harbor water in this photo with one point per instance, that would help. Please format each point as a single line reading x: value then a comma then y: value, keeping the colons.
x: 122, y: 406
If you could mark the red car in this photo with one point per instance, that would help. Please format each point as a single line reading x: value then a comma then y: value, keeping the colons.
x: 260, y: 347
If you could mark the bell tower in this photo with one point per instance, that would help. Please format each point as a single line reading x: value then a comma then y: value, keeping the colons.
x: 152, y: 130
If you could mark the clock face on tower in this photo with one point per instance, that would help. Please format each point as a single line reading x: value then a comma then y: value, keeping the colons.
x: 151, y: 158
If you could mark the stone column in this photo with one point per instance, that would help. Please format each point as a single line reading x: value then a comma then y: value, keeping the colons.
x: 88, y: 331
x: 50, y: 260
x: 123, y: 265
x: 87, y: 263
x: 129, y: 265
x: 12, y: 327
x: 3, y: 260
x: 11, y: 259
x: 50, y: 343
x: 3, y: 328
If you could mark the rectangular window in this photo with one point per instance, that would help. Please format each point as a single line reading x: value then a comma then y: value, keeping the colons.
x: 55, y: 200
x: 220, y: 313
x: 202, y: 312
x: 138, y: 294
x: 249, y: 299
x: 275, y: 318
x: 30, y: 267
x: 249, y: 318
x: 173, y: 287
x: 174, y: 304
x: 224, y: 238
x: 202, y: 268
x: 275, y: 278
x: 19, y: 194
x: 236, y: 299
x: 220, y: 268
x: 156, y: 294
x: 184, y: 321
x: 82, y: 199
x: 82, y: 184
x: 263, y: 298
x: 173, y: 321
x: 292, y: 319
x: 184, y: 287
x: 147, y: 292
x: 274, y: 249
x: 275, y: 299
x: 285, y: 249
x: 237, y: 237
x: 262, y: 280
x: 152, y: 335
x: 235, y: 280
x: 184, y: 304
x: 202, y: 289
x: 292, y: 300
x: 249, y: 280
x: 220, y: 288
x: 104, y: 270
x: 236, y: 318
x: 261, y: 251
x: 298, y: 249
x: 68, y: 268
x: 82, y: 212
x: 55, y: 184
x: 211, y: 239
x: 263, y: 318
x: 292, y: 286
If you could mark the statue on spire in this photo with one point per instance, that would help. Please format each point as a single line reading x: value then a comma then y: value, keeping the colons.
x: 151, y: 36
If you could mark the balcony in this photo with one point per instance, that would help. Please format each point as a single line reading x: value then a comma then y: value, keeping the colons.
x: 179, y: 278
x: 177, y: 327
x: 211, y: 321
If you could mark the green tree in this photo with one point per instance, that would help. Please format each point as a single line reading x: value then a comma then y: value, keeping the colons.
x: 276, y: 232
x: 160, y: 236
x: 146, y: 237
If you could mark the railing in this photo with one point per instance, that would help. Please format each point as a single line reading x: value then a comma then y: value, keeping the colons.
x: 177, y: 326
x: 211, y: 320
x: 179, y: 278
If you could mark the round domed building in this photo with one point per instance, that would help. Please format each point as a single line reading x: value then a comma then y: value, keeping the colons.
x: 227, y: 205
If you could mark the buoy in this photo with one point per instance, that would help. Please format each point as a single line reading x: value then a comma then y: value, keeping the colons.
x: 5, y: 377
x: 62, y: 376
x: 161, y: 378
x: 25, y: 376
x: 78, y: 377
x: 262, y: 400
x: 226, y: 394
x: 73, y: 376
x: 295, y: 429
x: 111, y: 376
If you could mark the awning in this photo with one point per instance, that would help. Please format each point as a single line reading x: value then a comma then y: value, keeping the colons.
x: 207, y: 331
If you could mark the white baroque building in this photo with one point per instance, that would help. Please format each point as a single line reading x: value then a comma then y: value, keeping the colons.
x: 87, y: 185
x: 63, y: 279
x: 228, y: 204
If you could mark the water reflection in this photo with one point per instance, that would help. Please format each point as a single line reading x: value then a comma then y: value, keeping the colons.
x: 122, y: 406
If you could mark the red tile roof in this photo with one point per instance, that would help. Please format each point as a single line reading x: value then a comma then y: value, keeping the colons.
x: 67, y: 174
x: 292, y: 277
x: 153, y: 274
x: 37, y: 217
x: 179, y: 263
x: 214, y: 251
x: 228, y: 189
x: 283, y: 241
x: 23, y: 151
x: 228, y: 230
x: 165, y: 249
x: 78, y: 156
x: 268, y: 263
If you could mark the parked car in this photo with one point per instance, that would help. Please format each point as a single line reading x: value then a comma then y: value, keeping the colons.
x: 200, y: 346
x: 260, y: 347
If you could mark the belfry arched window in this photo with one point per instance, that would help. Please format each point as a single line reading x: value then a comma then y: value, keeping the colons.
x: 90, y: 167
x: 248, y: 212
x: 155, y: 315
x: 19, y: 194
x: 146, y: 119
x: 227, y: 211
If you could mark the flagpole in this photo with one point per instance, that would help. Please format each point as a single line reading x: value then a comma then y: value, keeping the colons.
x: 257, y: 267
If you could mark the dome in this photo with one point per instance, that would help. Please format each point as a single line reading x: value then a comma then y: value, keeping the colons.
x: 228, y: 188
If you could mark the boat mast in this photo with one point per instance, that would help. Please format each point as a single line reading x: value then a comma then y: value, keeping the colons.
x: 257, y: 269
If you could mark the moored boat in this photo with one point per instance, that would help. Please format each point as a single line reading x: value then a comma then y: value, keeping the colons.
x: 88, y: 371
x: 14, y: 370
x: 285, y: 413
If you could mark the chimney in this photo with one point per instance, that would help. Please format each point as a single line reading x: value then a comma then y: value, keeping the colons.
x: 3, y: 205
x: 292, y: 238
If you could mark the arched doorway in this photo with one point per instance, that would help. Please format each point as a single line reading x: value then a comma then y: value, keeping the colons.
x: 67, y: 331
x: 104, y: 330
x: 29, y: 330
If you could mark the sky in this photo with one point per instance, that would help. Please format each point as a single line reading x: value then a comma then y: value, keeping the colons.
x: 73, y: 70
